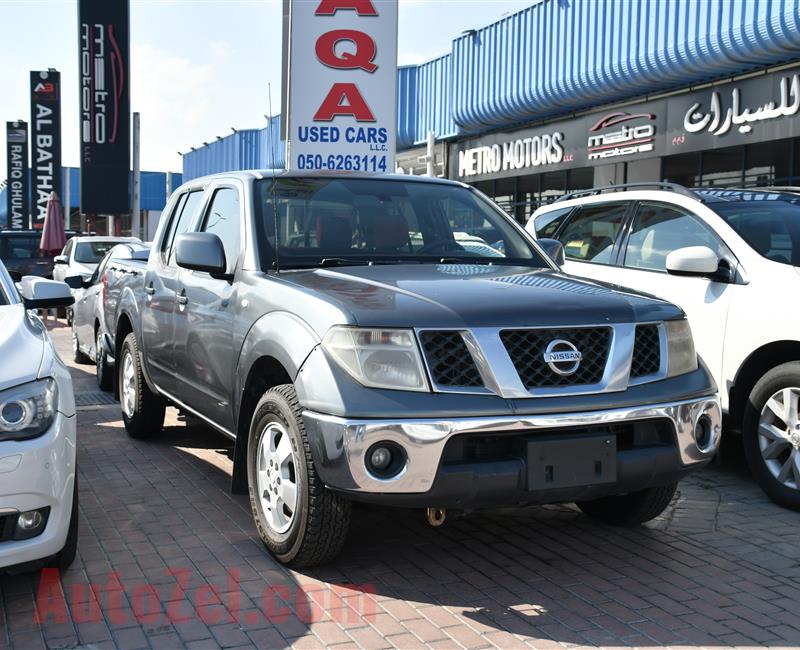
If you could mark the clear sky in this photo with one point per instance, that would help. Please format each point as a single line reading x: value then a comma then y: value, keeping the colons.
x: 198, y: 67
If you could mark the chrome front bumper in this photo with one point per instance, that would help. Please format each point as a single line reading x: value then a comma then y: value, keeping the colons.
x: 340, y: 445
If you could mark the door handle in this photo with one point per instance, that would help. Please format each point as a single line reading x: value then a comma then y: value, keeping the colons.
x: 182, y: 298
x: 149, y: 289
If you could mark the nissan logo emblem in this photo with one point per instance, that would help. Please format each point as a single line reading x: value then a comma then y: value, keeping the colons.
x: 562, y: 357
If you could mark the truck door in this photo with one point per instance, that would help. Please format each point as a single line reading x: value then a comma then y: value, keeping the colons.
x: 161, y: 295
x: 205, y: 357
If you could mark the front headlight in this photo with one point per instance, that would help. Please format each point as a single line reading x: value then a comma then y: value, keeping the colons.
x: 28, y: 410
x: 680, y: 348
x: 378, y: 357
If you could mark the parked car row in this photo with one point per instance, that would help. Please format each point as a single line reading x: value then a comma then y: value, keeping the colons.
x: 729, y: 259
x: 402, y: 341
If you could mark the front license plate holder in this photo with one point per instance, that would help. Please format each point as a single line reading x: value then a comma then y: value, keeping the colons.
x: 555, y: 464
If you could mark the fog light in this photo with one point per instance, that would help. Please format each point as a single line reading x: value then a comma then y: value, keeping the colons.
x: 702, y: 432
x: 380, y: 458
x: 31, y: 523
x: 385, y: 460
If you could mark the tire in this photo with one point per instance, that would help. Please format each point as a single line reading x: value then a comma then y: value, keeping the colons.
x: 77, y: 355
x: 313, y: 531
x: 142, y: 410
x: 69, y: 316
x: 61, y: 312
x: 782, y: 441
x: 630, y: 509
x: 66, y: 556
x: 105, y: 378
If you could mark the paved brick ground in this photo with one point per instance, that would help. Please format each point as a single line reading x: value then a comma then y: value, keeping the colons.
x: 174, y: 561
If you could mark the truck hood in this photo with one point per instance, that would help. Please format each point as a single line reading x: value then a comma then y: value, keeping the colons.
x: 21, y: 347
x: 470, y: 295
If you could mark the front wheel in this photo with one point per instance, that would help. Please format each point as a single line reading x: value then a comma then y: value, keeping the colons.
x: 66, y: 556
x: 298, y: 519
x: 77, y: 355
x: 630, y: 509
x: 142, y: 409
x: 771, y: 434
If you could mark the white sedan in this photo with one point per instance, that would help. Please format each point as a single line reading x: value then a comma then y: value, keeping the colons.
x: 38, y: 480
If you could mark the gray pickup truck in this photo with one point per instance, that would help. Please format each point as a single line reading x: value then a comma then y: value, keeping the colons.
x: 401, y: 341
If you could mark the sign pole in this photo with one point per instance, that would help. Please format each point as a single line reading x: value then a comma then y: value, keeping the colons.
x: 137, y: 179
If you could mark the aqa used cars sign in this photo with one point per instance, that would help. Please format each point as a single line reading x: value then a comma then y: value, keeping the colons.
x: 342, y: 85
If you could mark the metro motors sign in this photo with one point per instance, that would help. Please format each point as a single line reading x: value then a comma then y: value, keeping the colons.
x: 342, y: 85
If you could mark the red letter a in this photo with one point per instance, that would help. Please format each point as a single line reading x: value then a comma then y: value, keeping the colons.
x: 344, y: 99
x: 362, y: 7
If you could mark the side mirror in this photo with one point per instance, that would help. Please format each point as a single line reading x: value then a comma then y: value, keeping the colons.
x: 201, y: 251
x: 554, y: 250
x: 38, y: 293
x: 693, y: 260
x: 60, y: 259
x: 77, y: 281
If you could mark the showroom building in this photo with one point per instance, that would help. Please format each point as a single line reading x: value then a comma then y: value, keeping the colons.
x: 564, y: 96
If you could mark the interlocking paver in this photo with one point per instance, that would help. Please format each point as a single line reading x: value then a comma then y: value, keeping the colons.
x: 720, y: 567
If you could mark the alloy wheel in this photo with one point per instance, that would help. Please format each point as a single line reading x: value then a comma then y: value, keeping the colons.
x: 128, y: 385
x: 276, y: 477
x: 779, y: 436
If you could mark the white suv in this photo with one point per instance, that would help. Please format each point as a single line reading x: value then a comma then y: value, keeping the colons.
x: 731, y: 260
x: 38, y: 480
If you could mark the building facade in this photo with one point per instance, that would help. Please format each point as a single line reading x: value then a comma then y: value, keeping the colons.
x: 567, y: 95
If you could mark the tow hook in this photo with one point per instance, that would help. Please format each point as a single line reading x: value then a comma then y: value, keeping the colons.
x: 436, y: 516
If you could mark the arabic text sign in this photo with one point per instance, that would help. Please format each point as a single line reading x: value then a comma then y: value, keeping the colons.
x: 17, y: 191
x: 45, y: 141
x: 104, y: 106
x: 342, y: 85
x: 763, y: 108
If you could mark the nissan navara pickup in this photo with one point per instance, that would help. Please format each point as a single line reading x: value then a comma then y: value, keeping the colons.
x: 400, y: 341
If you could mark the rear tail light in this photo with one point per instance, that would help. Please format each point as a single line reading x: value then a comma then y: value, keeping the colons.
x: 105, y: 287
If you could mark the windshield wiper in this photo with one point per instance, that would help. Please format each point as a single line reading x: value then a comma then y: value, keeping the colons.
x: 489, y: 261
x: 341, y: 261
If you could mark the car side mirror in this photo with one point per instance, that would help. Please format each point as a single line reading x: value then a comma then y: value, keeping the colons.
x: 554, y: 250
x: 38, y: 293
x: 61, y: 259
x: 201, y: 251
x: 77, y: 281
x: 693, y: 261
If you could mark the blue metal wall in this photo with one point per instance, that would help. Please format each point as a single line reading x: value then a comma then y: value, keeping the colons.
x: 245, y: 149
x: 560, y: 56
x: 565, y: 55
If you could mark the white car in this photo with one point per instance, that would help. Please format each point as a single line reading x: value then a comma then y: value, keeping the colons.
x: 82, y: 254
x: 731, y: 260
x: 38, y: 486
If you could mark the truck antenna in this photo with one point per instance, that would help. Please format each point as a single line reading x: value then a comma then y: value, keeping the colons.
x: 276, y: 263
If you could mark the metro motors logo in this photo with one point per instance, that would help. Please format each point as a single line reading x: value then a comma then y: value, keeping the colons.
x: 624, y: 141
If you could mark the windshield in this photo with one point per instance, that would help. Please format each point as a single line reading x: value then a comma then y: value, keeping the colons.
x: 771, y: 228
x: 13, y: 247
x: 345, y: 221
x: 91, y: 252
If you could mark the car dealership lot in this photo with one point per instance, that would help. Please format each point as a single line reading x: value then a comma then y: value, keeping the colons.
x: 174, y: 560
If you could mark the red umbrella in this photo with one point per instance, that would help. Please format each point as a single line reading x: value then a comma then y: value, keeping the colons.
x: 53, y: 238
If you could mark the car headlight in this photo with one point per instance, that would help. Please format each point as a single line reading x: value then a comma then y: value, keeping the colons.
x: 378, y: 357
x: 681, y: 355
x: 28, y: 410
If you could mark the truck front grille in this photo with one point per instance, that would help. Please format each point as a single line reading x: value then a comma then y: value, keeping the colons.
x: 646, y: 351
x: 527, y: 349
x: 449, y: 360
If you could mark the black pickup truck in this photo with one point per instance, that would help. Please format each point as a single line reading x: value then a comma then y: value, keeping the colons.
x: 401, y: 341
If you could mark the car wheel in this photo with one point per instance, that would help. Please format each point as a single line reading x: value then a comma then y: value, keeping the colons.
x: 105, y: 380
x: 66, y: 556
x: 771, y: 434
x: 69, y: 316
x: 77, y: 355
x: 630, y: 509
x: 298, y: 519
x: 142, y: 409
